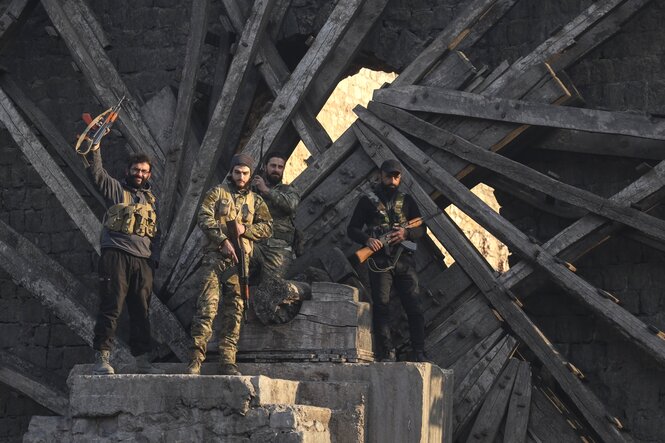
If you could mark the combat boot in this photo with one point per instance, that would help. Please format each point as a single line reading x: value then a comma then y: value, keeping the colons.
x: 195, y: 361
x: 227, y: 360
x: 229, y: 369
x: 102, y: 365
x: 389, y: 357
x: 418, y: 355
x: 143, y: 365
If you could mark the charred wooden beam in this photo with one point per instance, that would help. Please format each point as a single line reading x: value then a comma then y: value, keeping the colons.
x: 547, y: 422
x: 607, y: 26
x: 209, y: 153
x: 444, y: 42
x: 565, y: 39
x: 475, y: 384
x: 324, y: 164
x: 103, y: 78
x: 33, y: 381
x: 602, y: 144
x: 490, y: 416
x: 480, y: 272
x: 48, y: 129
x: 468, y: 325
x: 514, y: 171
x: 198, y: 26
x: 591, y: 230
x: 517, y: 420
x: 466, y: 104
x: 620, y: 319
x: 51, y: 284
x: 275, y: 73
x: 50, y: 171
x: 301, y: 80
x: 12, y: 18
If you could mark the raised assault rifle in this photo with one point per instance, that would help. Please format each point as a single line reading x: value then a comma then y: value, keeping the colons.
x: 366, y: 252
x: 234, y: 238
x: 97, y: 128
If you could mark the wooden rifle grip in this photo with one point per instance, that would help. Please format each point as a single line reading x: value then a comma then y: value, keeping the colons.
x: 363, y: 254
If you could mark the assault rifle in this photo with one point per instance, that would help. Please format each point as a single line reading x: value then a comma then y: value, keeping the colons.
x: 234, y: 238
x: 97, y: 128
x: 366, y: 252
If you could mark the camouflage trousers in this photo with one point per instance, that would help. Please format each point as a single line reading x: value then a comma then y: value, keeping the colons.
x: 271, y: 257
x: 219, y: 275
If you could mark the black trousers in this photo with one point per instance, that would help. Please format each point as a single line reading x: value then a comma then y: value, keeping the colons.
x: 405, y: 280
x: 123, y: 278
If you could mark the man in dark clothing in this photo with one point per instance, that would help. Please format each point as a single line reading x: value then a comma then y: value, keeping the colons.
x: 380, y: 213
x: 130, y: 252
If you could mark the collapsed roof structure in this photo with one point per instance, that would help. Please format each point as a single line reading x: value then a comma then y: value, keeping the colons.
x: 452, y: 124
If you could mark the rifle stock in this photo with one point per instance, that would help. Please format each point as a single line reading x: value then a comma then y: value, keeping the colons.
x: 366, y: 252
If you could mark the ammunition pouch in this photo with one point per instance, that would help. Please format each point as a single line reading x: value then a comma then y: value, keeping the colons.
x: 137, y: 219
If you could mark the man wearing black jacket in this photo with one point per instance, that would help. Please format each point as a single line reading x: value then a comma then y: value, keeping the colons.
x: 130, y: 252
x: 378, y: 213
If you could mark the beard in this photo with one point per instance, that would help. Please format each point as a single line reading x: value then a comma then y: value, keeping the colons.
x: 135, y: 182
x: 388, y: 189
x: 274, y: 179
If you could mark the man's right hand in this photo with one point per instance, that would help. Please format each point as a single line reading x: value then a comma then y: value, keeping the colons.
x: 227, y: 250
x: 374, y: 244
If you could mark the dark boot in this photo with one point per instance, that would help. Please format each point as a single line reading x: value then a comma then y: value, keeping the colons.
x: 227, y: 360
x: 419, y: 356
x: 390, y: 356
x: 194, y: 366
x: 229, y: 369
x: 102, y: 363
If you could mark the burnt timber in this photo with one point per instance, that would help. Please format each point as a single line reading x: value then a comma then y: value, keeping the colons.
x: 452, y: 124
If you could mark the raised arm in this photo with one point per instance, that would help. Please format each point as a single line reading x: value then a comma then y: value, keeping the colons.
x: 108, y: 186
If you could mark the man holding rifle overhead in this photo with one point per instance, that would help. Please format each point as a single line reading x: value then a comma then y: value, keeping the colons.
x: 232, y: 216
x: 380, y: 222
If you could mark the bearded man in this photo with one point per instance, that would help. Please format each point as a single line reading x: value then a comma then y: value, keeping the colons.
x: 129, y: 254
x: 233, y: 200
x: 273, y: 256
x: 379, y: 213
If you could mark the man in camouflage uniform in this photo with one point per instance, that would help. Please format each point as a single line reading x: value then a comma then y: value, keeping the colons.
x: 229, y: 201
x: 273, y: 256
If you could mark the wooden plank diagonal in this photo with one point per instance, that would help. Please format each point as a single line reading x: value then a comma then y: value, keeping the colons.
x: 479, y: 271
x: 197, y: 31
x: 48, y: 169
x: 620, y: 319
x: 51, y: 284
x: 208, y: 155
x: 33, y: 381
x: 103, y: 78
x: 50, y: 132
x: 517, y: 172
x: 274, y: 72
x: 467, y: 104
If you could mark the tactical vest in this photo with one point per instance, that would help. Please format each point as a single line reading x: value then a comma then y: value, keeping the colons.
x: 132, y: 218
x: 385, y: 218
x: 241, y: 209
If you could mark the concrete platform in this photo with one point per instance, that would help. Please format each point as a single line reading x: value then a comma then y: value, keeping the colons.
x: 277, y: 402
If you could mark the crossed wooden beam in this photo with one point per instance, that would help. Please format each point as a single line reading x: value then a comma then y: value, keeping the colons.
x: 528, y: 87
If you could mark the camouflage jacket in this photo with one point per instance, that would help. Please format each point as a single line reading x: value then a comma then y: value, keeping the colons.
x: 282, y: 200
x: 226, y: 202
